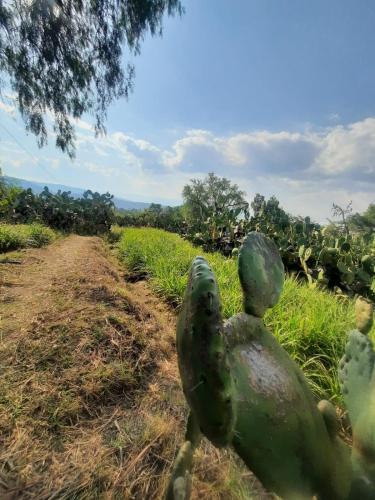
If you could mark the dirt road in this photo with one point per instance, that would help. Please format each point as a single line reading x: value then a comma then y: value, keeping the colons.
x: 90, y: 399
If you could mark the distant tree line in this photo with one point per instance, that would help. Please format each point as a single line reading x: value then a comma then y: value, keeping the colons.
x: 214, y: 212
x: 169, y: 218
x: 91, y: 214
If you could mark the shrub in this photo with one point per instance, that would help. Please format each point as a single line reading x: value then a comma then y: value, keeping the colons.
x: 40, y: 235
x: 14, y: 236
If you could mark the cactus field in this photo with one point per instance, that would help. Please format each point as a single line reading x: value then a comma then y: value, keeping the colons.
x: 309, y: 322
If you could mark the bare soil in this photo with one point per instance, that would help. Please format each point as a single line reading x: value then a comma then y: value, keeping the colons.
x: 90, y: 398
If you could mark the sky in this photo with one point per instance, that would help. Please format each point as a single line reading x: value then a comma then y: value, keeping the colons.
x: 276, y: 95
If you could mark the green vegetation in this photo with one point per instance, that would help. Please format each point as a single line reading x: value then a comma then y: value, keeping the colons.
x: 67, y: 58
x: 237, y: 374
x: 310, y: 323
x: 17, y: 236
x: 91, y: 214
x: 212, y: 204
x: 8, y: 194
x: 168, y: 218
x: 364, y: 223
x: 215, y: 215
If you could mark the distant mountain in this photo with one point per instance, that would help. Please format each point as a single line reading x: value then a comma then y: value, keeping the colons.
x: 38, y: 187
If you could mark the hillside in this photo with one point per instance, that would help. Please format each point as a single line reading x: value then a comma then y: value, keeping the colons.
x: 38, y: 187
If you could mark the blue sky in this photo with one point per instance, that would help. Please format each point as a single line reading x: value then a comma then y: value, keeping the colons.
x: 277, y: 95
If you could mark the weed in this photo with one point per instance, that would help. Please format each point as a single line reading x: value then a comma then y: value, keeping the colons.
x: 17, y: 236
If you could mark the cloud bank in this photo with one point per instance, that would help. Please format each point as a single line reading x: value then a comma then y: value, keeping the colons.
x: 307, y: 169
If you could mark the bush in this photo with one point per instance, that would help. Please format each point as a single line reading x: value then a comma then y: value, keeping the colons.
x: 90, y: 214
x: 115, y: 234
x: 10, y: 238
x: 14, y: 236
x: 40, y: 235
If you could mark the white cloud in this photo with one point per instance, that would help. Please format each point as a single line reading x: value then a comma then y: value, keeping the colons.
x: 252, y: 152
x: 306, y: 169
x: 99, y: 169
x: 350, y: 148
x: 341, y: 152
x: 83, y: 125
x: 200, y: 150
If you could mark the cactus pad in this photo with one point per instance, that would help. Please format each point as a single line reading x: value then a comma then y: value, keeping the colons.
x: 261, y: 273
x: 364, y: 312
x: 179, y: 487
x: 244, y: 390
x: 204, y: 370
x: 280, y: 433
x: 355, y: 373
x: 357, y: 379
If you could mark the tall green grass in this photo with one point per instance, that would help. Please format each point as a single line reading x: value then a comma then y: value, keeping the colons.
x: 311, y: 324
x: 15, y: 236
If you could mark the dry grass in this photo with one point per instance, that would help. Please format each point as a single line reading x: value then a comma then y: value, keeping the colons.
x: 90, y: 399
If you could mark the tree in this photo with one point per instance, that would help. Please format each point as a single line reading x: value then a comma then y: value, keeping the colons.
x: 363, y: 223
x: 258, y: 205
x: 66, y: 57
x: 91, y: 214
x: 214, y: 201
x: 343, y: 213
x: 269, y: 212
x: 7, y: 196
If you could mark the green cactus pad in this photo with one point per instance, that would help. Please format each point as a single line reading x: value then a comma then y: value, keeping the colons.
x: 328, y: 413
x: 364, y: 312
x: 261, y: 273
x: 179, y: 487
x: 280, y: 433
x: 202, y: 360
x: 355, y: 373
x: 244, y: 390
x: 357, y: 379
x: 368, y: 263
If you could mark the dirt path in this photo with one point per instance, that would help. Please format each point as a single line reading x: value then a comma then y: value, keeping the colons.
x: 90, y: 399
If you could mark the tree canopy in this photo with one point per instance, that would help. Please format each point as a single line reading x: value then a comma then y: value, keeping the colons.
x: 269, y: 211
x: 65, y: 57
x: 364, y: 223
x: 7, y: 196
x: 92, y: 213
x: 214, y: 199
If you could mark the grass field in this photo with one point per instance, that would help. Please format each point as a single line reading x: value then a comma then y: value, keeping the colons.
x: 311, y: 324
x: 14, y: 236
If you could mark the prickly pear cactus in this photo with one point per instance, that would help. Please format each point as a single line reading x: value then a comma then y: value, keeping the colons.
x: 357, y: 378
x: 179, y: 486
x: 202, y: 357
x: 243, y: 389
x: 261, y: 273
